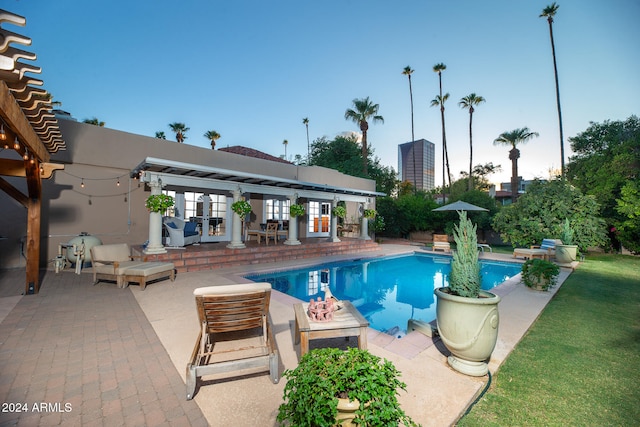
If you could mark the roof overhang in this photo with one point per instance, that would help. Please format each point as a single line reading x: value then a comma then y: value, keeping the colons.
x: 189, y: 175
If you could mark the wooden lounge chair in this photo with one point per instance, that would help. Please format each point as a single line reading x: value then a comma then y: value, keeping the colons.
x: 546, y: 250
x: 235, y: 333
x: 441, y: 243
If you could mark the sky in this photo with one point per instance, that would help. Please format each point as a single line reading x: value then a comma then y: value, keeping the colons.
x: 252, y: 70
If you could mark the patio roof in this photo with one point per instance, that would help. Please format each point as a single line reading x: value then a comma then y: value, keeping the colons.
x: 191, y: 175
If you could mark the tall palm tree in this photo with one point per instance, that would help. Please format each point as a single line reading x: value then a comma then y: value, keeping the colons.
x: 364, y: 110
x: 549, y: 12
x: 439, y: 68
x: 212, y: 136
x: 180, y: 129
x: 94, y: 121
x: 468, y: 102
x: 285, y: 143
x: 407, y: 72
x: 512, y: 139
x: 305, y: 122
x: 160, y: 135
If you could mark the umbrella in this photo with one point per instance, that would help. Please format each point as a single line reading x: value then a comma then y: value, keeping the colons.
x: 459, y: 206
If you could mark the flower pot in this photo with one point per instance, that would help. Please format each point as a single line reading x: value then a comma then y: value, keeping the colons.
x: 468, y: 328
x: 566, y: 253
x: 346, y: 412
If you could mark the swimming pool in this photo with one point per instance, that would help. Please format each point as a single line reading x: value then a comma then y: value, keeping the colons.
x: 387, y: 291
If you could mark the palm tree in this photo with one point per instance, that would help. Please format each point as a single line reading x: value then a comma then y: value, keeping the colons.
x: 160, y: 135
x: 305, y: 122
x: 439, y: 68
x: 285, y: 143
x: 94, y: 121
x: 549, y: 12
x: 212, y: 136
x: 468, y: 102
x: 512, y: 139
x: 407, y: 72
x: 179, y: 129
x: 364, y: 110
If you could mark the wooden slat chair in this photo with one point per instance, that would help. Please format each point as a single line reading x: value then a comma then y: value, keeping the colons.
x: 235, y: 333
x: 441, y: 243
x: 271, y: 232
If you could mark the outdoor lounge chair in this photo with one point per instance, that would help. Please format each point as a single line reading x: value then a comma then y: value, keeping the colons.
x: 114, y: 262
x: 441, y: 243
x: 181, y: 233
x: 235, y: 333
x: 545, y: 250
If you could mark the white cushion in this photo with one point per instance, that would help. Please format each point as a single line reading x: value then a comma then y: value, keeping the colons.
x: 232, y: 289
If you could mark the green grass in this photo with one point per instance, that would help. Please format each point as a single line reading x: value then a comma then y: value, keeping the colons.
x: 579, y: 364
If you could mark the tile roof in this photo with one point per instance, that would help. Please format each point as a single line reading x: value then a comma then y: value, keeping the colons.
x: 250, y: 152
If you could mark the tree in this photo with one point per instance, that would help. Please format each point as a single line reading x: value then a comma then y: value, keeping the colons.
x: 407, y: 72
x: 212, y: 136
x: 94, y: 121
x: 541, y: 211
x: 513, y: 139
x: 468, y: 102
x: 606, y: 159
x: 439, y: 68
x: 549, y: 12
x: 285, y: 143
x: 343, y: 155
x: 160, y: 135
x: 305, y: 122
x: 180, y: 129
x: 363, y: 111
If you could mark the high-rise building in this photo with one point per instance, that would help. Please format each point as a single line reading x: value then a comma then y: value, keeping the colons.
x: 424, y: 153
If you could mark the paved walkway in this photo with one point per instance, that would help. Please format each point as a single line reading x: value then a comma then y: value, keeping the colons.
x: 98, y: 355
x: 89, y: 354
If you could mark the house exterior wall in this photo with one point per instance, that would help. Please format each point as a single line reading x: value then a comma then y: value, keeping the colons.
x: 100, y: 158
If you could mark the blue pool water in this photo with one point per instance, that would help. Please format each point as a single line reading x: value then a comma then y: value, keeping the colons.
x: 387, y: 291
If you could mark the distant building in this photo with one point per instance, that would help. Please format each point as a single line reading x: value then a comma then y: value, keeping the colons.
x: 423, y: 176
x: 503, y: 196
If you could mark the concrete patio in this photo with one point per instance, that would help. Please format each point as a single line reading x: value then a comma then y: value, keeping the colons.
x: 98, y: 355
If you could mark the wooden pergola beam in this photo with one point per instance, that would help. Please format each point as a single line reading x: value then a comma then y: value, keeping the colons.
x: 14, y: 118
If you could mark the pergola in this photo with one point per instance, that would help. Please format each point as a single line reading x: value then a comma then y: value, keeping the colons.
x: 29, y: 134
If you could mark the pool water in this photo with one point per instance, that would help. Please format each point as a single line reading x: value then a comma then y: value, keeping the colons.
x: 387, y: 291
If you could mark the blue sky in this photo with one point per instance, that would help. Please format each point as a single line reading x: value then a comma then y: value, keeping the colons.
x: 251, y: 70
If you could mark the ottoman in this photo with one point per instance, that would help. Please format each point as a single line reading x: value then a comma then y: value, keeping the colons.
x: 147, y: 271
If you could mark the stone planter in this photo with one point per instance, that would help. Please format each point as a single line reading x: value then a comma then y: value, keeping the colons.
x: 566, y: 254
x: 468, y: 328
x: 347, y: 412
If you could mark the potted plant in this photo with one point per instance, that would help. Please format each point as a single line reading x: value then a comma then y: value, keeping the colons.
x: 328, y: 379
x: 296, y: 210
x: 241, y: 207
x: 566, y: 252
x: 158, y: 203
x: 370, y: 213
x: 339, y: 211
x: 467, y: 316
x: 540, y: 274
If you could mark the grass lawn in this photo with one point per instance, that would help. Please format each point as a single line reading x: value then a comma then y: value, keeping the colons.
x: 579, y: 364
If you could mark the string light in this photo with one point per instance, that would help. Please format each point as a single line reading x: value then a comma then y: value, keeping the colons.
x: 16, y: 144
x: 3, y: 134
x: 82, y: 184
x: 25, y: 156
x: 118, y: 183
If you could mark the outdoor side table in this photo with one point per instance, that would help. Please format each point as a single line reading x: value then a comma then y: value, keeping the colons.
x: 347, y: 322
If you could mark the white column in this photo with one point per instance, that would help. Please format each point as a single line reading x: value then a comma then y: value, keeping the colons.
x: 236, y: 226
x: 334, y: 223
x: 364, y: 225
x: 292, y: 238
x: 155, y: 224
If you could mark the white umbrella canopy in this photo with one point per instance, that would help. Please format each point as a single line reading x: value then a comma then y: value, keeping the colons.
x: 459, y: 206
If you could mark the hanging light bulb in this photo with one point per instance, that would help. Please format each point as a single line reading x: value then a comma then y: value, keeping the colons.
x: 16, y: 144
x: 90, y: 203
x: 32, y: 160
x: 3, y: 134
x: 118, y: 183
x: 25, y: 156
x: 82, y: 184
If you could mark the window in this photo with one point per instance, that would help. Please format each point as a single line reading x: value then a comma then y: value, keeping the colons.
x: 193, y: 203
x: 277, y: 209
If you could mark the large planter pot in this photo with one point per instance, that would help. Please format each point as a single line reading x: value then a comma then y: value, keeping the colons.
x: 566, y: 253
x: 468, y: 328
x: 346, y: 412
